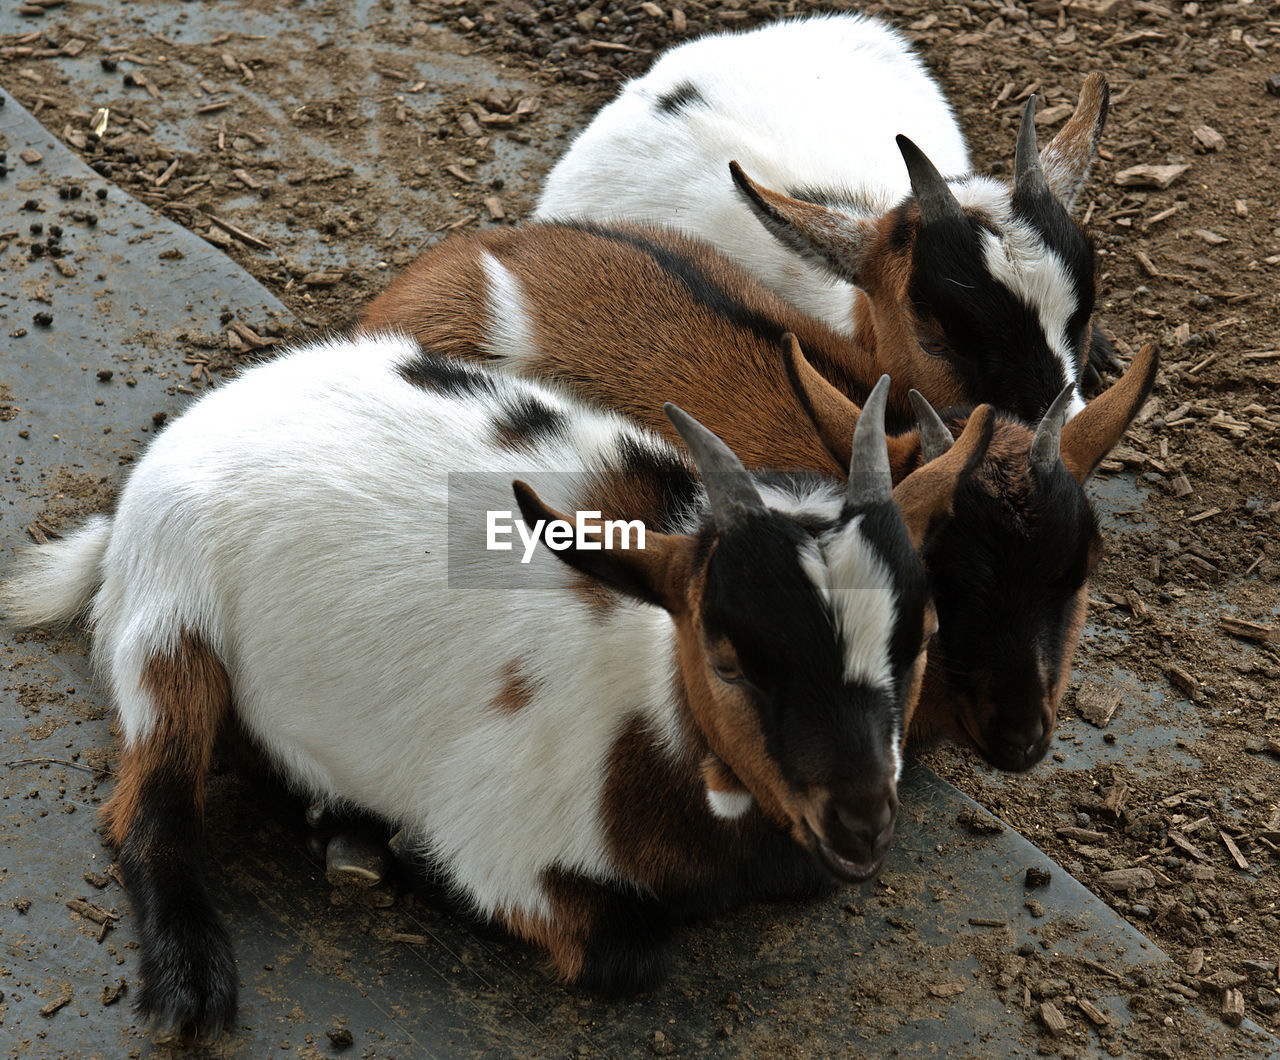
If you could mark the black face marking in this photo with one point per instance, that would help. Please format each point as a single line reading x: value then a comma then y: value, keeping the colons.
x: 445, y: 375
x: 1006, y: 570
x: 682, y: 97
x: 819, y: 726
x: 997, y: 344
x: 525, y: 420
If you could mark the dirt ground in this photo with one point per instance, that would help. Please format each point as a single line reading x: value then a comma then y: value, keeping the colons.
x: 1192, y: 266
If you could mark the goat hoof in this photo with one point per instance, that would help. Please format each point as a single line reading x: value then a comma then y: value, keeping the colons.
x: 352, y: 857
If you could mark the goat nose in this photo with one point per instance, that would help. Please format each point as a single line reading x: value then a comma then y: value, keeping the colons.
x: 863, y: 823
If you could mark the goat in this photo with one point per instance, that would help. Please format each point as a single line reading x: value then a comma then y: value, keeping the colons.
x: 627, y: 317
x: 640, y: 735
x: 964, y: 287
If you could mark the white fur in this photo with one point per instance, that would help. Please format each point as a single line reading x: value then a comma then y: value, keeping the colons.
x: 729, y: 804
x: 297, y: 520
x: 509, y: 335
x: 858, y: 588
x: 813, y: 103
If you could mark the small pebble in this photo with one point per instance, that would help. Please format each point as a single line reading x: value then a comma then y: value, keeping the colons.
x: 1273, y: 85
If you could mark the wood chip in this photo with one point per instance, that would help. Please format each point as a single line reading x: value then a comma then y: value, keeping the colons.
x: 1195, y: 961
x: 411, y: 939
x: 62, y: 999
x: 111, y: 994
x: 1097, y: 702
x: 1053, y: 115
x: 242, y: 175
x: 946, y: 989
x: 1241, y: 861
x: 1095, y: 1014
x: 1200, y: 517
x: 1148, y: 176
x: 1232, y: 1008
x: 469, y: 126
x: 1081, y: 835
x: 1186, y: 846
x: 31, y: 156
x: 1136, y: 878
x: 1181, y: 679
x: 460, y: 173
x: 167, y: 175
x: 1254, y: 631
x: 1053, y: 1019
x: 93, y: 912
x: 326, y: 278
x: 494, y: 205
x: 239, y: 233
x: 1208, y: 138
x: 678, y: 21
x: 1181, y: 485
x: 1211, y: 237
x: 229, y: 61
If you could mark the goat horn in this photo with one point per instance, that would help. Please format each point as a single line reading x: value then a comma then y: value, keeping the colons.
x: 1047, y: 443
x: 870, y: 481
x: 1028, y: 178
x: 731, y: 491
x: 935, y: 439
x: 931, y: 191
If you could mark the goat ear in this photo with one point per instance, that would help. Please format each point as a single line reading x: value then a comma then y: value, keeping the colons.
x: 818, y: 233
x: 834, y: 416
x: 650, y: 574
x: 1097, y: 427
x: 1069, y: 155
x: 925, y: 496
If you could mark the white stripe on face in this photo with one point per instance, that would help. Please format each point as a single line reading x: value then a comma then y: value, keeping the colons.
x: 853, y: 581
x: 1021, y: 261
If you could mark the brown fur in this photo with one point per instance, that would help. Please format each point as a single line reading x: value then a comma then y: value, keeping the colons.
x: 563, y: 936
x: 191, y: 698
x: 1090, y: 436
x: 1067, y: 158
x: 622, y: 332
x: 517, y: 691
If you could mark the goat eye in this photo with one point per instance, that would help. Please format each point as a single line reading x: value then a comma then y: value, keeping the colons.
x: 934, y: 349
x: 729, y: 672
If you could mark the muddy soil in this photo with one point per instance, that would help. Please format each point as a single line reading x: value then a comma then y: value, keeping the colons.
x: 263, y: 143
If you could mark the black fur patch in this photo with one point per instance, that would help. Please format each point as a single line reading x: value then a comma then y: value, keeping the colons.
x: 445, y: 375
x: 680, y: 98
x: 188, y: 971
x: 1005, y: 573
x: 689, y: 274
x: 525, y: 420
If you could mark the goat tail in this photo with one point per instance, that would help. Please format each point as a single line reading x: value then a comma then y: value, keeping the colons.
x: 54, y: 582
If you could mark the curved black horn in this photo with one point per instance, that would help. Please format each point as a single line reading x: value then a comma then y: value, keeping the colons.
x: 731, y: 491
x: 870, y: 481
x: 1028, y: 178
x: 931, y: 191
x: 1047, y: 443
x: 935, y: 439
